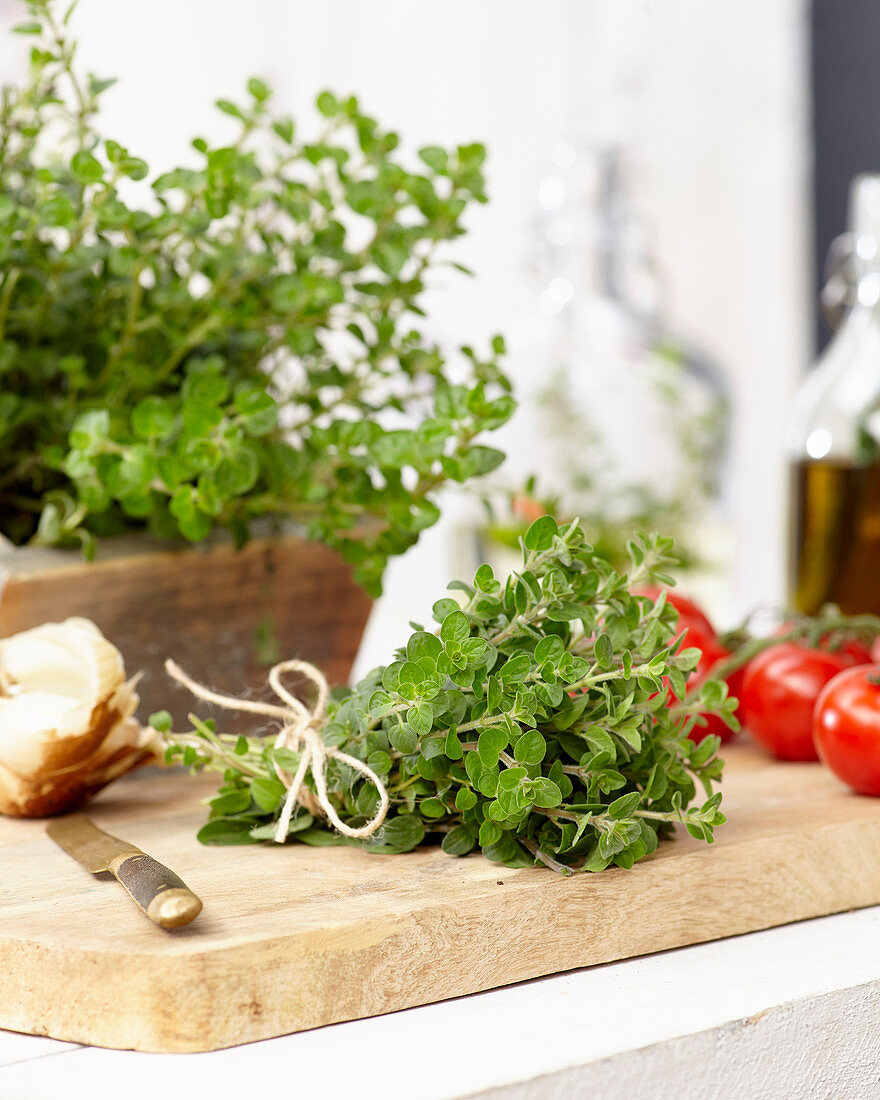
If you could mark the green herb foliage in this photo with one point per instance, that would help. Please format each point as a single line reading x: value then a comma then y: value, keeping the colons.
x: 230, y: 340
x: 544, y: 719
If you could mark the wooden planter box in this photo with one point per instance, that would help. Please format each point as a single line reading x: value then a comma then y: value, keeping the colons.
x: 224, y: 615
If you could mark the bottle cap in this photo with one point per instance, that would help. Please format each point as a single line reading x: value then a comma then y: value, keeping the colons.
x: 864, y: 219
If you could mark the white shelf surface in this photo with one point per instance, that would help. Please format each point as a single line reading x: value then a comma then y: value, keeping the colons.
x: 789, y: 1013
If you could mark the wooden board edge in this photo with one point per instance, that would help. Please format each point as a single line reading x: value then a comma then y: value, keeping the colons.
x: 300, y: 982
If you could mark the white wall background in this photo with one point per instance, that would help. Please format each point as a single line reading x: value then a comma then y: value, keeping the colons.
x: 712, y: 96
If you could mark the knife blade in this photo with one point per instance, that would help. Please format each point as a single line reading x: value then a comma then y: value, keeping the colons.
x: 162, y: 895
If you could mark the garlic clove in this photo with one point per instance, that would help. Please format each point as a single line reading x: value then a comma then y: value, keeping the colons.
x: 31, y: 724
x: 68, y: 658
x: 66, y: 718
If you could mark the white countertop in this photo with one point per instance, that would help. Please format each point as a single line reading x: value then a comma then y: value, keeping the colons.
x: 790, y: 1013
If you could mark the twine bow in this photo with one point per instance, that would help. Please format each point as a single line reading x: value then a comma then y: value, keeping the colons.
x: 300, y: 733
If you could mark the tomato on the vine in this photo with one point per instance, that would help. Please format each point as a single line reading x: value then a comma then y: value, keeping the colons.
x: 735, y: 682
x: 780, y: 689
x: 689, y: 614
x: 854, y: 651
x: 712, y: 653
x: 846, y: 728
x: 696, y: 630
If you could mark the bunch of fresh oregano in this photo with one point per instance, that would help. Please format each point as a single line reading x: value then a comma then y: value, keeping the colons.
x: 545, y: 719
x: 230, y: 340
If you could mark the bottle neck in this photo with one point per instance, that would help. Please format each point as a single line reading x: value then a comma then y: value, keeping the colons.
x: 866, y: 299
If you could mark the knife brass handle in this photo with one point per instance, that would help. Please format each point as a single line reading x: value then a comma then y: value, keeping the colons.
x: 163, y: 896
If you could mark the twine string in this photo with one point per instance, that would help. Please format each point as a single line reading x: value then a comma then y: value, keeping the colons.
x: 300, y: 732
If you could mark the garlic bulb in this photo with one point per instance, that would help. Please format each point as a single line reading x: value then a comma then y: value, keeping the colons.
x: 66, y: 718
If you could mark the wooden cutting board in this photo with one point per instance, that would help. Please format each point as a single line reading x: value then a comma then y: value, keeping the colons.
x: 296, y: 937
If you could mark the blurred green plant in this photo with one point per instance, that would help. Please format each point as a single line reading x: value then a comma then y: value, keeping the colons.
x: 608, y: 504
x: 510, y: 511
x: 230, y: 341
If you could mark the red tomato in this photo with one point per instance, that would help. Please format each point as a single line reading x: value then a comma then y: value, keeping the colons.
x: 846, y: 728
x: 780, y: 689
x: 698, y: 631
x: 712, y: 652
x: 735, y: 682
x: 689, y: 614
x: 526, y: 508
x: 855, y: 652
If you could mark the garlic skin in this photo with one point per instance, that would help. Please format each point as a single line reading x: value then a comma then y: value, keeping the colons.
x: 66, y: 718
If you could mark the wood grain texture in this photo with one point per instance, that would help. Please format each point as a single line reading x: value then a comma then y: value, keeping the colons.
x: 218, y: 613
x: 295, y: 937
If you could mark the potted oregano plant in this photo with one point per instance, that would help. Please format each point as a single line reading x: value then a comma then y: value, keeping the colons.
x: 217, y: 347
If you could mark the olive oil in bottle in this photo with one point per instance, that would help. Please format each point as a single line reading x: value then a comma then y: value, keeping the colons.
x: 836, y: 543
x: 834, y: 441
